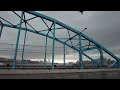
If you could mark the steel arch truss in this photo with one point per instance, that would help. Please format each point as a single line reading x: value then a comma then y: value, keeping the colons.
x: 78, y: 36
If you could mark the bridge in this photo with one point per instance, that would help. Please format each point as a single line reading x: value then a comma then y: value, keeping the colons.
x: 73, y: 35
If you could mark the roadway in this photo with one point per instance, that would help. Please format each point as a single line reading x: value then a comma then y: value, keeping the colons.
x: 61, y: 74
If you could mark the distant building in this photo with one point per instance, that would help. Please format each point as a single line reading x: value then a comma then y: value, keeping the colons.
x: 1, y: 64
x: 41, y: 62
x: 71, y: 63
x: 48, y: 60
x: 78, y: 62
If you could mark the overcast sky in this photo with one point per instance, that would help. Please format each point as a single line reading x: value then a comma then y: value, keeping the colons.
x: 102, y: 26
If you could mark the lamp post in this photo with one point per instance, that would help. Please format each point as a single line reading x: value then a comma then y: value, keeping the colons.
x: 83, y: 30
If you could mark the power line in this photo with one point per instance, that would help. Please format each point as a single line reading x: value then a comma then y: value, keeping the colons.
x: 30, y: 51
x: 28, y: 45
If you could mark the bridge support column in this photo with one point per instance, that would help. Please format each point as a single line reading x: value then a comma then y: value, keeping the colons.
x: 23, y: 48
x: 101, y: 55
x: 45, y: 52
x: 12, y: 52
x: 94, y: 62
x: 24, y: 39
x: 80, y: 53
x: 118, y: 63
x: 18, y: 36
x: 53, y: 47
x: 64, y: 54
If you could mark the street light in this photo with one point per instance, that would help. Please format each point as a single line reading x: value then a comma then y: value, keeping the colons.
x: 83, y: 30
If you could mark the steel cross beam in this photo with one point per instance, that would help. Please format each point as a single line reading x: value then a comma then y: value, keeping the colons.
x: 24, y: 39
x: 75, y: 31
x: 48, y: 29
x: 27, y: 20
x: 56, y: 39
x: 64, y: 53
x: 80, y: 52
x: 53, y: 47
x: 22, y: 28
x: 1, y: 28
x: 16, y: 48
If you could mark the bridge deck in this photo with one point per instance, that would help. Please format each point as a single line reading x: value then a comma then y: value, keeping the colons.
x: 61, y: 74
x: 31, y: 71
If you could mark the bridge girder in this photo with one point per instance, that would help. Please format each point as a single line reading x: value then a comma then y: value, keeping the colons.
x: 81, y: 50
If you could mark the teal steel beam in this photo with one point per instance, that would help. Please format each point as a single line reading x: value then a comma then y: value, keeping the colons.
x: 64, y: 53
x: 41, y: 34
x: 48, y: 29
x: 87, y: 45
x: 27, y: 20
x: 30, y: 30
x: 73, y: 38
x: 16, y: 48
x: 101, y: 56
x: 45, y: 52
x: 45, y: 23
x: 73, y: 30
x: 53, y: 47
x: 32, y: 27
x: 24, y: 39
x: 83, y: 46
x: 88, y: 49
x: 22, y: 28
x: 24, y: 21
x: 70, y: 37
x: 53, y: 20
x: 1, y: 30
x: 80, y: 52
x: 16, y: 14
x: 92, y: 48
x: 112, y: 65
x: 94, y: 62
x: 23, y: 48
x: 119, y: 64
x: 12, y: 52
x: 6, y: 21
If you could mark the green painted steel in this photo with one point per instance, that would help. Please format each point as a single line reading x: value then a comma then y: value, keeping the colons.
x: 39, y: 33
x: 53, y: 47
x: 101, y: 56
x: 50, y: 38
x: 1, y: 24
x: 64, y: 53
x: 80, y: 50
x: 45, y: 52
x: 88, y: 49
x: 75, y: 31
x: 27, y: 20
x: 16, y: 48
x: 94, y: 62
x: 23, y: 47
